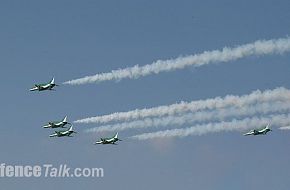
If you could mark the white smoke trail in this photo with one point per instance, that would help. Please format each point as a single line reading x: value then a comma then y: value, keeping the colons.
x: 285, y: 128
x: 278, y: 94
x: 202, y: 116
x: 261, y: 47
x: 234, y: 125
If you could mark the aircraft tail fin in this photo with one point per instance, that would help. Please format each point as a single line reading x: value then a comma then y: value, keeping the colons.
x: 71, y: 129
x: 52, y: 81
x: 64, y: 119
x: 116, y: 136
x: 268, y: 125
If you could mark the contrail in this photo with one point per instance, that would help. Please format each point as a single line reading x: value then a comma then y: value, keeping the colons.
x: 278, y: 94
x: 260, y: 47
x: 234, y: 125
x: 202, y: 116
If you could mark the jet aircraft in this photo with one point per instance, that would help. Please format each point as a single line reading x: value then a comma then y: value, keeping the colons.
x: 46, y: 86
x: 262, y: 131
x: 111, y: 140
x: 66, y: 133
x: 57, y: 124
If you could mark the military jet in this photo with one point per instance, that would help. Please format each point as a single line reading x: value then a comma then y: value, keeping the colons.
x: 42, y: 87
x: 112, y: 140
x: 66, y: 133
x: 262, y: 131
x: 57, y: 124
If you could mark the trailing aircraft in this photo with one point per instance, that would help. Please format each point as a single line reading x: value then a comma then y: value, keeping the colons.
x: 66, y: 133
x: 111, y: 140
x: 262, y: 131
x: 57, y: 124
x: 45, y: 86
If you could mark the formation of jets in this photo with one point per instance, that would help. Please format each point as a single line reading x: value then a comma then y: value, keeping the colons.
x: 112, y: 140
x: 64, y: 123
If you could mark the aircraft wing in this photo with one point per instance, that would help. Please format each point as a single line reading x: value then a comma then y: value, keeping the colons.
x: 45, y: 86
x: 110, y: 140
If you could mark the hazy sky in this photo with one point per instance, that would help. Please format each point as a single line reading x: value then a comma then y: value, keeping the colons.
x: 71, y: 39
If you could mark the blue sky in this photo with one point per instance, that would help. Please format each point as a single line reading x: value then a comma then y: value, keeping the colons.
x: 72, y: 39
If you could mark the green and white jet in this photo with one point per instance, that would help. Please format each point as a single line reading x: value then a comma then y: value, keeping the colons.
x: 57, y: 124
x: 66, y: 133
x: 45, y: 86
x: 262, y: 131
x: 111, y: 140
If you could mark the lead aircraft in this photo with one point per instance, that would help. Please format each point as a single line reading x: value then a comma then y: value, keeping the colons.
x: 45, y: 86
x: 57, y: 124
